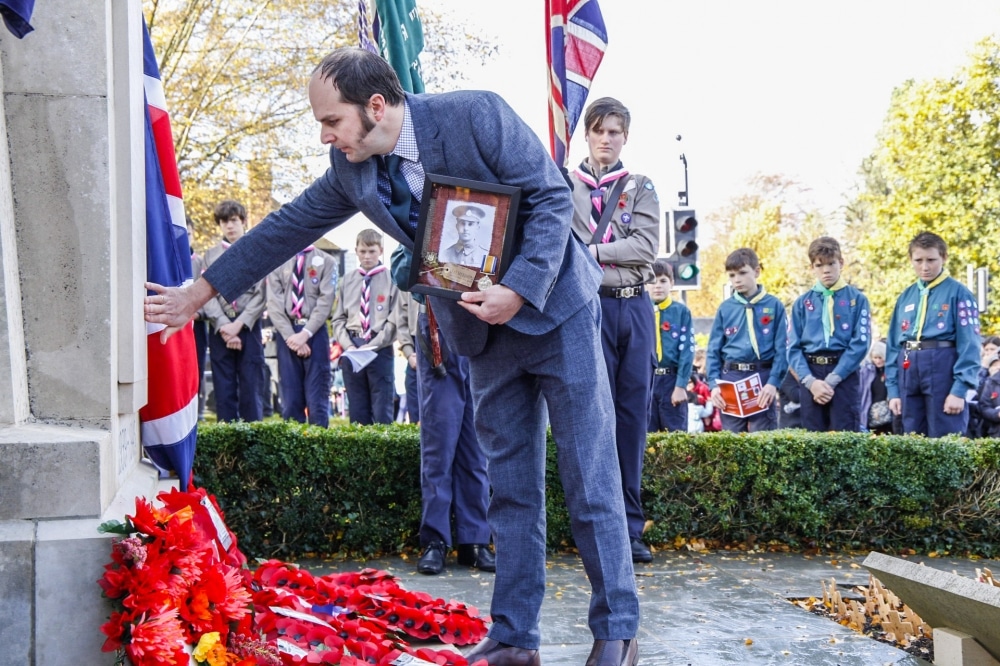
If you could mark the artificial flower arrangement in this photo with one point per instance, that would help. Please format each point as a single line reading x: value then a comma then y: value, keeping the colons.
x: 184, y: 596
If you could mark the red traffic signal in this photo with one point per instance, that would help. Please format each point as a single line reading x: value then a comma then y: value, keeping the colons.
x: 685, y: 222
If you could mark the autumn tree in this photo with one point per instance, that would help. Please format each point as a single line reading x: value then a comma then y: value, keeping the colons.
x: 235, y: 74
x: 935, y: 167
x: 776, y: 219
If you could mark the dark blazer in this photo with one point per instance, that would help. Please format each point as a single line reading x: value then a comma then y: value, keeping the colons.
x: 468, y: 134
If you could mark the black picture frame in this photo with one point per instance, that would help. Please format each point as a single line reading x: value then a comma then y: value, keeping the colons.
x: 445, y: 265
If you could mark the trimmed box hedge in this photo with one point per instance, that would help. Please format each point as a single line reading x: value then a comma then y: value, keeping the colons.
x: 288, y: 490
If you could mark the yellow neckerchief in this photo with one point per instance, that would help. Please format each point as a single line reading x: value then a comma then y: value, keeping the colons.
x: 748, y: 305
x: 828, y: 306
x: 660, y: 307
x: 922, y: 310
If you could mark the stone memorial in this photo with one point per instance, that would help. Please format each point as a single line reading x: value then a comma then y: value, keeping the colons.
x: 964, y: 613
x: 72, y: 339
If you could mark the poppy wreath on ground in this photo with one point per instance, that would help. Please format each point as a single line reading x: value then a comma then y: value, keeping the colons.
x: 182, y: 592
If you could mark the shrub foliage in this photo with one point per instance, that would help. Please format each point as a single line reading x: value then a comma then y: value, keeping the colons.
x: 288, y: 489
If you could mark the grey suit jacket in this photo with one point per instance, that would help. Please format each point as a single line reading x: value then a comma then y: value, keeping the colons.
x: 468, y: 134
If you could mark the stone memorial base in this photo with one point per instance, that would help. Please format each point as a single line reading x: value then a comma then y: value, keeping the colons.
x: 51, y: 554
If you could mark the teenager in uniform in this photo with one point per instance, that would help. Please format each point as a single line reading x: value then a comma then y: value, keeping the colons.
x: 363, y: 319
x: 827, y: 341
x: 748, y: 336
x: 674, y: 351
x: 617, y: 215
x: 300, y: 296
x: 235, y: 345
x: 932, y: 351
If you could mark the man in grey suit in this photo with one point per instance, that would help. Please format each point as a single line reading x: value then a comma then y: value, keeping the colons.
x: 534, y: 336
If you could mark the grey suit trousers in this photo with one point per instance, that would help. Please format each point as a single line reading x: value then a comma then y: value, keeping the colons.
x: 510, y: 380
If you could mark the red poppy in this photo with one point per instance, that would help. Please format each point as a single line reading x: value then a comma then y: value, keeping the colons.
x: 381, y: 298
x: 665, y: 326
x: 765, y: 320
x: 993, y: 396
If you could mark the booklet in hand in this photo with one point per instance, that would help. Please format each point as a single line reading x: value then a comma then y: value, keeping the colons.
x: 742, y: 395
x: 359, y: 358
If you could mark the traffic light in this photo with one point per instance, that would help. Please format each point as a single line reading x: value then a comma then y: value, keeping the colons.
x: 682, y: 229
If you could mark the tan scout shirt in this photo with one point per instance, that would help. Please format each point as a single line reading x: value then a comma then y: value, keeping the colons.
x: 319, y: 275
x: 247, y: 308
x: 635, y: 225
x: 407, y: 320
x: 346, y: 316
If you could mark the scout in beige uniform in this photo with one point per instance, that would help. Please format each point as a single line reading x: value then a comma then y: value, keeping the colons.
x: 363, y: 319
x: 624, y: 243
x: 300, y: 296
x: 235, y: 346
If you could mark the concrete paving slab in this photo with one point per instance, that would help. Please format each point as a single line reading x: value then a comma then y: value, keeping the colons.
x: 698, y: 609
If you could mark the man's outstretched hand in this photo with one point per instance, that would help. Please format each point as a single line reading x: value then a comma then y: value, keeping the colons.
x: 175, y: 306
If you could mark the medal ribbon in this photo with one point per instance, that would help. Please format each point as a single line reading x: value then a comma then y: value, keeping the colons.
x: 922, y: 310
x: 364, y: 315
x: 828, y: 306
x: 748, y: 309
x: 663, y: 305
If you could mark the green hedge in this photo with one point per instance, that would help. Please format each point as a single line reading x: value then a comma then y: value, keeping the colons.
x: 288, y: 490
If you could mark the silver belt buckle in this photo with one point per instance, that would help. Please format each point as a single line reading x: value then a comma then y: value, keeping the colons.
x: 744, y: 367
x: 626, y: 292
x: 301, y: 321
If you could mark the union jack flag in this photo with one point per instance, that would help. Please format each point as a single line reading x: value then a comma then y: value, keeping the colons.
x: 576, y: 43
x: 170, y: 418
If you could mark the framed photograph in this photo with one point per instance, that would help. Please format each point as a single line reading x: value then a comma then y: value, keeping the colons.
x: 465, y: 236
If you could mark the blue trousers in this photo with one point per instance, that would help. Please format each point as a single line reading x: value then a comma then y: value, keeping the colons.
x: 370, y: 392
x: 923, y: 388
x: 412, y: 394
x: 664, y: 416
x: 236, y: 376
x: 628, y: 338
x: 766, y: 420
x: 453, y: 478
x: 201, y: 352
x: 305, y: 382
x: 512, y: 380
x: 843, y: 413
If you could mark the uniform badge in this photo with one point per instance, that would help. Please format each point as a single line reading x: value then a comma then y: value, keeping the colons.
x: 809, y: 305
x: 648, y: 185
x: 765, y: 331
x: 674, y: 335
x: 864, y: 313
x: 910, y: 307
x: 314, y: 280
x: 317, y: 260
x: 854, y: 302
x: 963, y: 321
x: 626, y: 218
x: 940, y: 325
x: 842, y: 303
x: 905, y: 325
x: 684, y: 337
x: 844, y: 326
x: 732, y: 330
x: 944, y: 306
x: 684, y: 329
x: 379, y: 307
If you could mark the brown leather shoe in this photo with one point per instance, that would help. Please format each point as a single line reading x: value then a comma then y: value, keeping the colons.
x: 495, y: 653
x: 614, y: 653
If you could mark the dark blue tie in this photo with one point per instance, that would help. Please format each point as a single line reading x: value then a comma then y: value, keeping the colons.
x: 400, y: 195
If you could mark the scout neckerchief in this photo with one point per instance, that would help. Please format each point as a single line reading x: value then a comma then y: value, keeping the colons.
x: 299, y: 283
x: 663, y: 305
x: 748, y: 308
x: 828, y: 306
x: 364, y: 314
x: 225, y: 246
x: 922, y: 309
x: 598, y: 188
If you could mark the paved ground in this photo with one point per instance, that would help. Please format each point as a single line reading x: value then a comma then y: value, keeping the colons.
x: 698, y: 609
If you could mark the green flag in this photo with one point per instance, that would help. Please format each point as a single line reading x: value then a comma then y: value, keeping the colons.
x: 401, y: 39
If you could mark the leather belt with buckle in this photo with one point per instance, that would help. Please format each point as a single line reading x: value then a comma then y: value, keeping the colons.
x: 819, y: 359
x: 917, y: 345
x: 665, y: 371
x: 301, y: 321
x: 622, y: 292
x: 747, y: 367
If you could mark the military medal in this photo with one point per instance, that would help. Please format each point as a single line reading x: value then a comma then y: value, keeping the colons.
x: 484, y: 283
